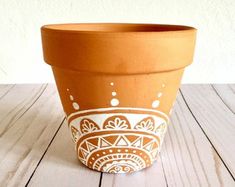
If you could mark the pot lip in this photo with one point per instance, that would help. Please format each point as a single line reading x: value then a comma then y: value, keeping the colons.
x: 117, y: 28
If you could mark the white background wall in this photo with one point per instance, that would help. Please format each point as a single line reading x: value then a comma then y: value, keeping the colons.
x: 20, y: 43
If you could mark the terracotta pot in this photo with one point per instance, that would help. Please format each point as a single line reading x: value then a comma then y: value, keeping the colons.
x: 117, y: 84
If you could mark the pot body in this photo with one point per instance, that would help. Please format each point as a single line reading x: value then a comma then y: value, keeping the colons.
x: 117, y: 102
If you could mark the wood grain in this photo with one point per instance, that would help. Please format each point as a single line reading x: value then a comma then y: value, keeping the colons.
x: 188, y: 157
x: 30, y: 116
x: 215, y: 119
x: 4, y: 89
x: 60, y: 166
x: 226, y: 92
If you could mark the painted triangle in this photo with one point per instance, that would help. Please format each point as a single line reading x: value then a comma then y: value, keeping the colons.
x: 137, y: 143
x: 146, y: 140
x: 84, y: 146
x: 121, y: 141
x: 84, y: 153
x: 93, y: 141
x: 154, y: 153
x: 90, y: 146
x: 131, y: 138
x: 104, y: 143
x: 149, y: 146
x: 111, y: 139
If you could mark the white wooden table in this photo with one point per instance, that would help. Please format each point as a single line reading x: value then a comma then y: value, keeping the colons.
x: 36, y: 150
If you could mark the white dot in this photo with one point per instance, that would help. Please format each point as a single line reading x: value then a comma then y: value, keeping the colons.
x: 97, y: 155
x: 134, y: 151
x: 119, y: 150
x: 67, y: 89
x: 159, y: 94
x: 93, y: 158
x: 111, y: 83
x: 110, y: 151
x: 71, y: 97
x: 104, y: 153
x: 163, y: 85
x: 114, y: 102
x: 126, y: 150
x: 75, y: 106
x: 155, y: 103
x: 114, y: 93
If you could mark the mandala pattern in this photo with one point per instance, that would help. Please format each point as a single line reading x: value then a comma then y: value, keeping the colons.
x: 118, y: 140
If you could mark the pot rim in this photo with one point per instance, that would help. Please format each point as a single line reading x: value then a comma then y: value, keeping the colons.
x: 118, y: 48
x: 115, y: 28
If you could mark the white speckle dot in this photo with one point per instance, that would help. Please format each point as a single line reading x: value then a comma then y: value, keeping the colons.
x: 71, y: 97
x: 76, y: 106
x: 159, y: 94
x: 104, y: 153
x: 114, y: 93
x: 163, y: 85
x: 90, y: 162
x: 155, y: 103
x: 110, y: 151
x: 67, y: 89
x: 111, y: 83
x: 134, y: 151
x: 93, y: 158
x: 126, y: 150
x: 119, y: 150
x: 114, y: 102
x: 97, y: 155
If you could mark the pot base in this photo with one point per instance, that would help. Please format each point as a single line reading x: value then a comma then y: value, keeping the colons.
x: 118, y: 140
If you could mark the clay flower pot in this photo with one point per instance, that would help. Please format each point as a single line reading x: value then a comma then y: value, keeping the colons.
x: 117, y: 84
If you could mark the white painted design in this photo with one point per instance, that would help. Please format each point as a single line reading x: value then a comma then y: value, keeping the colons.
x: 121, y: 141
x: 159, y: 94
x: 71, y: 97
x: 136, y: 147
x: 75, y: 106
x: 156, y: 104
x: 114, y: 93
x: 145, y: 125
x: 88, y: 126
x: 114, y: 102
x: 144, y: 111
x: 117, y: 123
x: 111, y: 83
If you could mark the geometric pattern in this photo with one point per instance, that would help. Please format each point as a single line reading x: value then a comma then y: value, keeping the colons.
x: 118, y: 142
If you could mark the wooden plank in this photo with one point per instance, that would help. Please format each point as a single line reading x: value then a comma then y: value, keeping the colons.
x: 152, y: 176
x: 15, y: 102
x: 34, y: 122
x: 215, y: 118
x: 188, y: 157
x: 227, y: 93
x: 60, y: 166
x: 4, y: 89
